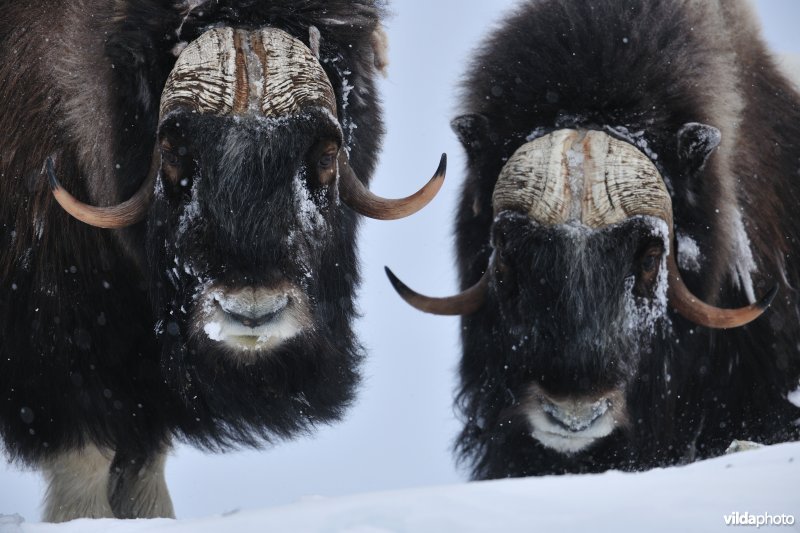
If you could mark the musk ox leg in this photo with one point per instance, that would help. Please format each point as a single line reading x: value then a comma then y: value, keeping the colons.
x: 77, y: 485
x: 138, y: 488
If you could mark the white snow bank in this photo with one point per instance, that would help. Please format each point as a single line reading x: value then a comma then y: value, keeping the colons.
x: 689, y: 498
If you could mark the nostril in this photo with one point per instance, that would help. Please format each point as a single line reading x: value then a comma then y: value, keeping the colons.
x: 252, y: 321
x: 575, y: 418
x: 251, y: 311
x: 557, y: 420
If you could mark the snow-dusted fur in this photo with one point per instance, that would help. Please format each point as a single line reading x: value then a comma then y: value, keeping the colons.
x: 556, y: 310
x: 96, y: 345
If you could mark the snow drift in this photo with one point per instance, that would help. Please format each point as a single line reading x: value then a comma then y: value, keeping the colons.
x: 696, y: 497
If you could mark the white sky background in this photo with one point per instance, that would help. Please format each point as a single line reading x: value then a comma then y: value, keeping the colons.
x: 400, y: 432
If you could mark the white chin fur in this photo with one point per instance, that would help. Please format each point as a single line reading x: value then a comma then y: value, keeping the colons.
x: 287, y: 303
x: 564, y: 441
x: 605, y: 418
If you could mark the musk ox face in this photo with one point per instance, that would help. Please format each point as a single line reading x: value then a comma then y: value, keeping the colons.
x: 246, y: 211
x: 575, y: 330
x: 253, y: 258
x: 252, y: 255
x: 581, y: 271
x: 580, y: 242
x: 250, y: 205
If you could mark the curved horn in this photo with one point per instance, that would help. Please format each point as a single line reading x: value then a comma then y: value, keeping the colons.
x: 636, y: 185
x: 362, y: 201
x: 638, y: 189
x: 202, y: 79
x: 122, y: 215
x: 464, y: 303
x: 699, y: 312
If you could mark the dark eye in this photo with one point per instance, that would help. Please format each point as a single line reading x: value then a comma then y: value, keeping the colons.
x: 169, y: 157
x: 326, y: 161
x: 322, y: 161
x: 175, y: 165
x: 169, y: 161
x: 649, y: 263
x: 500, y: 263
x: 647, y: 269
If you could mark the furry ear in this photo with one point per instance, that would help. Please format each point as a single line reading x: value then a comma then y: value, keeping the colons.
x: 380, y: 49
x: 472, y: 130
x: 696, y: 142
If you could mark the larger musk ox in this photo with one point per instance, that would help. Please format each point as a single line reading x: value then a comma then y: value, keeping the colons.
x: 225, y: 144
x: 629, y: 212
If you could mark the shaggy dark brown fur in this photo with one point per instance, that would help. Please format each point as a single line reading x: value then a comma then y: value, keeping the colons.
x: 88, y: 352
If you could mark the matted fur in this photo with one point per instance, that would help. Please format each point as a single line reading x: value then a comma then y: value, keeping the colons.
x: 640, y: 69
x: 81, y: 359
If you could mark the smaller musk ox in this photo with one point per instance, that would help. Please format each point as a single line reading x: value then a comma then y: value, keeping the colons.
x: 629, y: 212
x: 219, y: 310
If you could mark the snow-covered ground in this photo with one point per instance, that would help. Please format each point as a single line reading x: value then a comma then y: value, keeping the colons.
x: 697, y: 497
x: 399, y: 433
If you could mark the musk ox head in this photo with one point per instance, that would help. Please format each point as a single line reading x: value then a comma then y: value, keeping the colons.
x: 250, y: 207
x: 581, y: 276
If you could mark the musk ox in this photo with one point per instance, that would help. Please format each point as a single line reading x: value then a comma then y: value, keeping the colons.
x: 228, y: 145
x: 629, y: 211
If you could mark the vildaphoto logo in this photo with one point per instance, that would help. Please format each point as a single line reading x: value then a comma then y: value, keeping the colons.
x: 764, y: 519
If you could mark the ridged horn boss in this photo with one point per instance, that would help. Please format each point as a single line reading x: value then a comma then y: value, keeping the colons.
x: 235, y: 72
x: 590, y: 178
x: 227, y: 72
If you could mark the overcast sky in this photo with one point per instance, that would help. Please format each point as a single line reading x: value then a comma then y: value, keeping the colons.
x: 400, y: 432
